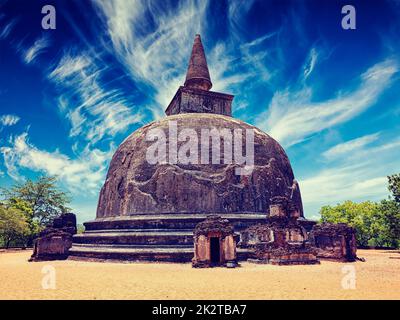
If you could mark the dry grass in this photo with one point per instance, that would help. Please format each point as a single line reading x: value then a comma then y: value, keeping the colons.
x: 377, y: 278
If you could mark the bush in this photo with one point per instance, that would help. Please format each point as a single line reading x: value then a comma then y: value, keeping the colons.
x: 13, y: 227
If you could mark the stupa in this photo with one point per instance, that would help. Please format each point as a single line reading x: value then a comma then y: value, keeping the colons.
x: 148, y: 211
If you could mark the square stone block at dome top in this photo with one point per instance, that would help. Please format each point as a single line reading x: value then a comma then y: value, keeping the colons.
x: 193, y: 100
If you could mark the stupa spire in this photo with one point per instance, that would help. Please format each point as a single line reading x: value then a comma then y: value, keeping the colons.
x: 195, y: 95
x: 197, y: 75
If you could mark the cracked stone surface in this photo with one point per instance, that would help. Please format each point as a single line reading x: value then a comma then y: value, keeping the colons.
x: 134, y: 186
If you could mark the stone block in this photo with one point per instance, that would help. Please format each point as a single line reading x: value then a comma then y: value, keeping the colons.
x: 55, y: 241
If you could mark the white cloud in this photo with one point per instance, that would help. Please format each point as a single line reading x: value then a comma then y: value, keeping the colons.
x: 337, y: 184
x: 37, y: 48
x: 86, y: 173
x: 293, y: 116
x: 358, y: 176
x: 348, y: 147
x: 93, y: 111
x: 155, y: 55
x: 5, y: 31
x: 237, y: 11
x: 9, y: 119
x: 223, y: 66
x: 68, y: 66
x: 312, y: 60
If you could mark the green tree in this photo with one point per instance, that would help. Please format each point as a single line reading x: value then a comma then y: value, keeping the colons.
x: 13, y: 226
x: 362, y: 216
x: 41, y: 201
x: 394, y: 186
x: 389, y: 218
x: 34, y: 225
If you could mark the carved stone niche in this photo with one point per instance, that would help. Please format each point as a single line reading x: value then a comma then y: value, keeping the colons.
x: 283, y: 207
x: 214, y: 243
x: 277, y: 210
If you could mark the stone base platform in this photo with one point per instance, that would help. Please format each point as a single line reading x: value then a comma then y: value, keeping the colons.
x: 280, y: 262
x: 167, y: 237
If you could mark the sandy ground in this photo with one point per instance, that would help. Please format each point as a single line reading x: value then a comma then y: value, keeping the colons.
x: 377, y: 278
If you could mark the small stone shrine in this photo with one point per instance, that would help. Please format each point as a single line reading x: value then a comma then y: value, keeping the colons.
x: 214, y: 243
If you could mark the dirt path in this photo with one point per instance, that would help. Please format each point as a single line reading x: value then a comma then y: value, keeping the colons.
x: 377, y: 278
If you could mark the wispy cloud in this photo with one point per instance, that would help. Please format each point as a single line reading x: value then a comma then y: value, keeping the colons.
x: 312, y: 60
x: 37, y: 48
x: 292, y: 116
x: 358, y: 171
x: 155, y: 55
x: 224, y: 67
x: 69, y: 65
x: 237, y: 11
x: 8, y: 119
x: 5, y: 31
x: 348, y: 147
x: 93, y: 110
x: 83, y: 173
x: 350, y: 182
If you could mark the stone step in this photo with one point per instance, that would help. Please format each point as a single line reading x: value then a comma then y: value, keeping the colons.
x: 139, y: 230
x: 133, y: 246
x: 136, y: 237
x: 131, y: 253
x: 170, y: 221
x: 176, y: 254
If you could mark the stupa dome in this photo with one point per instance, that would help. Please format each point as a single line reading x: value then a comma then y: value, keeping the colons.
x: 134, y: 186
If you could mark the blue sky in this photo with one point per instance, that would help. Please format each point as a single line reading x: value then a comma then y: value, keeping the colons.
x: 70, y: 96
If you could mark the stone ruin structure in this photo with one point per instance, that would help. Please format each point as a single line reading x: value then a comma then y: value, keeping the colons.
x: 279, y: 240
x: 150, y: 211
x: 55, y: 240
x: 214, y: 243
x: 334, y: 241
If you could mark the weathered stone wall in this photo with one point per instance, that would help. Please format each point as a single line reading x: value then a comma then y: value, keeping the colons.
x: 280, y: 240
x: 334, y: 241
x: 189, y: 100
x: 55, y: 241
x: 53, y: 246
x: 205, y: 102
